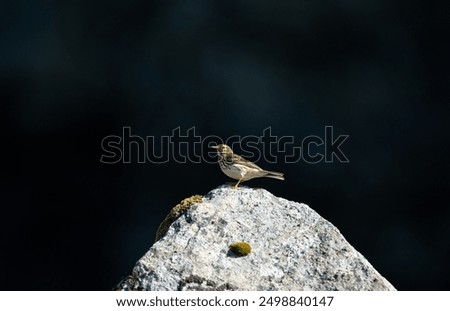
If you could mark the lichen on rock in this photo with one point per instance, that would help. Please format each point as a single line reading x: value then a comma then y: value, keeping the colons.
x: 176, y: 212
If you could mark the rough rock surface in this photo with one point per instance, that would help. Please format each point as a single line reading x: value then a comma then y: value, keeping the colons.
x: 292, y: 248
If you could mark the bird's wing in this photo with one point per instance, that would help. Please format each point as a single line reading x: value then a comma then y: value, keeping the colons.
x: 245, y: 162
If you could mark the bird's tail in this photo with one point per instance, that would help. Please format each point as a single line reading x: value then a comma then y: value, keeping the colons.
x: 275, y: 175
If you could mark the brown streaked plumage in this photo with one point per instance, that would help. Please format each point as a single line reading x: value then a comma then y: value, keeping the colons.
x: 238, y: 168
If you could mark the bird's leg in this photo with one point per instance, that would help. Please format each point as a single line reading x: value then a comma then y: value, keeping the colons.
x: 237, y: 184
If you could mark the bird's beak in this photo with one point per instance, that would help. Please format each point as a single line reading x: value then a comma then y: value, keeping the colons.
x: 215, y: 147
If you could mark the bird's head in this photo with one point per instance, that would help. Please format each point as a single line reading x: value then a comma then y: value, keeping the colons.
x: 223, y: 149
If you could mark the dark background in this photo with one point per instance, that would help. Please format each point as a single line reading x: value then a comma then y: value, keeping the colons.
x: 73, y: 72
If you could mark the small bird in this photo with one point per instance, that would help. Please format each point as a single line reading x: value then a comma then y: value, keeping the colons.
x: 238, y: 168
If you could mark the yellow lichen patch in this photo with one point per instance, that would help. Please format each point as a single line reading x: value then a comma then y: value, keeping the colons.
x: 240, y: 248
x: 176, y: 212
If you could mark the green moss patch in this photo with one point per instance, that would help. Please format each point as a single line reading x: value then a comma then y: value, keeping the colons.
x: 240, y: 248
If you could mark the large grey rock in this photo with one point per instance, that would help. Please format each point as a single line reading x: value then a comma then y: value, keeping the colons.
x: 293, y: 248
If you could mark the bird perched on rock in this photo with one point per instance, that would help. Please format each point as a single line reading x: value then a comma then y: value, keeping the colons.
x: 238, y: 168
